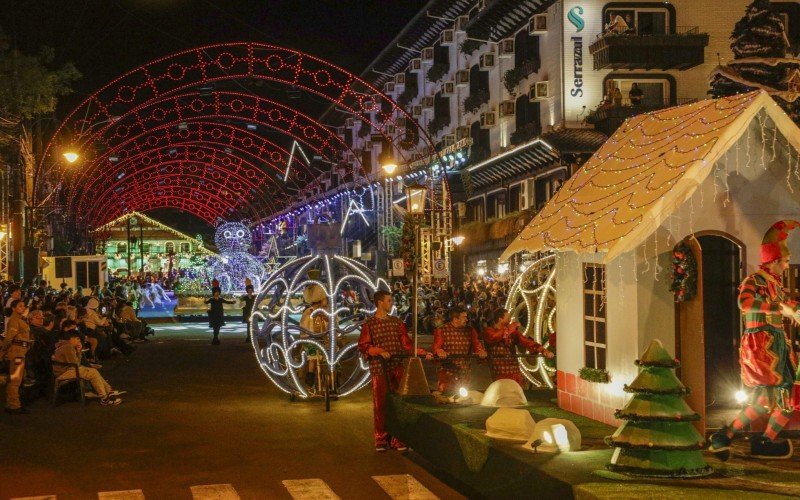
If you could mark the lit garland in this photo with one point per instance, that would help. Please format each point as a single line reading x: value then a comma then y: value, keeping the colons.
x: 615, y: 192
x: 277, y: 341
x: 684, y: 273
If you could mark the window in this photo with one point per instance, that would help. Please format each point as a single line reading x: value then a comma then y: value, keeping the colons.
x: 475, y: 210
x: 638, y: 20
x: 146, y: 247
x: 186, y: 247
x: 594, y: 315
x: 122, y: 248
x: 515, y: 198
x: 169, y: 247
x: 87, y: 273
x: 478, y: 80
x: 652, y: 92
x: 526, y: 49
x: 481, y: 143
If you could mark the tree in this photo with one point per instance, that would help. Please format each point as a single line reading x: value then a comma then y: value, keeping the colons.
x: 29, y: 91
x: 657, y: 438
x: 760, y: 48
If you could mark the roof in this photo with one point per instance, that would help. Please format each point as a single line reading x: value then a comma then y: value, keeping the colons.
x: 149, y: 220
x: 529, y: 157
x: 502, y: 18
x: 575, y: 140
x: 645, y: 171
x: 422, y: 31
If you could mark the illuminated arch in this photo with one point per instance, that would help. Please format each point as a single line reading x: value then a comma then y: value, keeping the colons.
x: 200, y: 74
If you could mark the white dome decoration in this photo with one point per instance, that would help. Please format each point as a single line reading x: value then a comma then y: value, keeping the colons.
x: 276, y: 339
x: 556, y: 435
x: 510, y: 423
x: 504, y: 393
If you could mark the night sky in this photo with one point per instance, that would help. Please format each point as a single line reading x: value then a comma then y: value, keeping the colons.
x: 106, y: 38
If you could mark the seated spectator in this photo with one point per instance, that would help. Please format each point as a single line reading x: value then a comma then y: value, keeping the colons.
x: 69, y: 351
x: 127, y: 317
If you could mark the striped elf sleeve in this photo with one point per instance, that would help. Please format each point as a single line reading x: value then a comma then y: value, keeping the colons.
x: 752, y: 302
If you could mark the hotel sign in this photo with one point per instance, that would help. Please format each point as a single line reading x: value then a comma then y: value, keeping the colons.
x: 582, y: 85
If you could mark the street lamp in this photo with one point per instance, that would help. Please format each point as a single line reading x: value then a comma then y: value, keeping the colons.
x: 457, y: 240
x: 71, y: 156
x: 414, y: 382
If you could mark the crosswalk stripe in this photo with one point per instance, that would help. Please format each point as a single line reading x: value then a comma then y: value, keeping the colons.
x: 121, y: 495
x: 214, y: 492
x: 404, y: 486
x: 43, y: 497
x: 309, y: 489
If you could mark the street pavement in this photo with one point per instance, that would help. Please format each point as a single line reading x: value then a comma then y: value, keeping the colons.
x: 202, y: 421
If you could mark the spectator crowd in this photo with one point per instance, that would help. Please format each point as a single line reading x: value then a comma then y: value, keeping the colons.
x: 59, y: 334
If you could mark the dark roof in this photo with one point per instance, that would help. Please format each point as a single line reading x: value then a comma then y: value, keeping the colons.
x: 522, y: 160
x: 575, y: 140
x: 501, y: 18
x: 420, y: 32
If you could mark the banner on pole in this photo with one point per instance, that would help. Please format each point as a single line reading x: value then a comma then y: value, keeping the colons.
x: 439, y: 268
x: 398, y: 267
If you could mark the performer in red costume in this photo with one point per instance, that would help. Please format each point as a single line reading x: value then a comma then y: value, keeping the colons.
x: 455, y: 337
x: 502, y: 338
x: 766, y: 357
x: 384, y: 336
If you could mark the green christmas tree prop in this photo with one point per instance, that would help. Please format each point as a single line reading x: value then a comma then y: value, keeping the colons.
x: 657, y: 438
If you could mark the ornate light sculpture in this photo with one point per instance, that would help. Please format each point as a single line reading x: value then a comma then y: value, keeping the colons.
x: 280, y: 342
x: 532, y: 302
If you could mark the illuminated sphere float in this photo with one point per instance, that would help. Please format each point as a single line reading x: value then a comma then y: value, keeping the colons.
x: 281, y: 345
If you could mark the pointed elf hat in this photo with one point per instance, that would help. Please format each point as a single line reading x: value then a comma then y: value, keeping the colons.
x: 773, y: 246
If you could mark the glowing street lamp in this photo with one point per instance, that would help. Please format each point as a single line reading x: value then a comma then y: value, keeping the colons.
x: 389, y: 167
x: 415, y: 199
x: 458, y: 240
x: 71, y: 156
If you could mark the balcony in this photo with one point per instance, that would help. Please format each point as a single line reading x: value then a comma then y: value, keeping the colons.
x: 680, y: 50
x: 608, y: 118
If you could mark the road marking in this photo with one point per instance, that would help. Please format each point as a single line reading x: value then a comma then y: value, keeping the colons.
x: 404, y: 486
x: 214, y: 492
x: 309, y: 489
x: 121, y: 495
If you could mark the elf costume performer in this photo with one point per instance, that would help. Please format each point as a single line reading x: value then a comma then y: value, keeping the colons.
x: 502, y: 339
x: 382, y: 337
x: 456, y: 338
x: 766, y: 358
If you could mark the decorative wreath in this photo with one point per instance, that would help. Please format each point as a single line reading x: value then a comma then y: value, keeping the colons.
x: 684, y: 273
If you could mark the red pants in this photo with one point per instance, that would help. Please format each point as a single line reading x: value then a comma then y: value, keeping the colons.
x: 379, y: 391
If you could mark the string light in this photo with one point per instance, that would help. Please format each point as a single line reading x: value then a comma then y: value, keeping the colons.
x: 279, y: 341
x: 234, y: 265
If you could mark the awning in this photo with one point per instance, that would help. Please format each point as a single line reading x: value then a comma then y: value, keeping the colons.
x: 525, y: 159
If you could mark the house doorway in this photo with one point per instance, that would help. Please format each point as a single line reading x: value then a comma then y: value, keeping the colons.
x: 709, y: 328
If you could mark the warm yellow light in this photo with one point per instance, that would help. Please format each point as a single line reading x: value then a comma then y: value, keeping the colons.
x: 741, y: 397
x: 71, y: 156
x: 458, y: 239
x: 2, y: 235
x: 463, y: 392
x: 389, y: 167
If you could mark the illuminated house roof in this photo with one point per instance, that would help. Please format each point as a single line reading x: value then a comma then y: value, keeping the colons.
x: 646, y: 170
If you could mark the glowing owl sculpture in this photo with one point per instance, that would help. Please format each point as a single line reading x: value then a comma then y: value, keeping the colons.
x: 233, y: 264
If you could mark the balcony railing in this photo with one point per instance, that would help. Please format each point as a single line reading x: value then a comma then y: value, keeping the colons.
x: 680, y: 50
x: 607, y: 118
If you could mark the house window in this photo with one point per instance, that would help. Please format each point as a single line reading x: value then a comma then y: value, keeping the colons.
x: 478, y: 80
x: 481, y: 143
x: 594, y: 315
x: 122, y: 248
x: 169, y: 247
x: 526, y: 49
x: 186, y: 247
x: 491, y: 207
